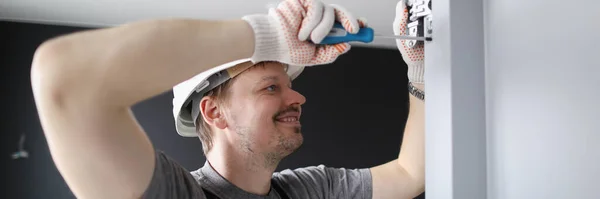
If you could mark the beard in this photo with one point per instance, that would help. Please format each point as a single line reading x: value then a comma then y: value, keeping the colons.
x: 280, y: 144
x: 287, y: 143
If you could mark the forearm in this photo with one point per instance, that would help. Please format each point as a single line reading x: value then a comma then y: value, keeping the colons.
x: 412, y: 152
x: 405, y: 176
x: 123, y: 65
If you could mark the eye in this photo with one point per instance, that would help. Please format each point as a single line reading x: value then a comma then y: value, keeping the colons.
x: 271, y: 88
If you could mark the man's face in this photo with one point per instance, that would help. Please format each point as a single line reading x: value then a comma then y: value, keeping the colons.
x: 264, y: 112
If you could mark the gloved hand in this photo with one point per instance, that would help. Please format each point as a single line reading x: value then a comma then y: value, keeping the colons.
x: 283, y: 34
x: 414, y: 57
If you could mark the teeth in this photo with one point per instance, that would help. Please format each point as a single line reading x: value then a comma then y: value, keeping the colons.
x: 289, y: 119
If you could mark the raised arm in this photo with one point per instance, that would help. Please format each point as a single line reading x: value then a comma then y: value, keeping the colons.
x: 129, y: 63
x: 84, y: 84
x: 405, y: 177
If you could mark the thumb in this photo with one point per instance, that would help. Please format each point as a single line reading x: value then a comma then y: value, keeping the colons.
x: 326, y: 54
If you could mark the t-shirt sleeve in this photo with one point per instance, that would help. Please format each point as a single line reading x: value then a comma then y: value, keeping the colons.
x: 327, y: 182
x: 171, y: 180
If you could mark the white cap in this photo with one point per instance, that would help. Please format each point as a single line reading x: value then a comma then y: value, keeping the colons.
x: 185, y: 111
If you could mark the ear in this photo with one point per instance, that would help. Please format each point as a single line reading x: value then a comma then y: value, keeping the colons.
x: 212, y: 113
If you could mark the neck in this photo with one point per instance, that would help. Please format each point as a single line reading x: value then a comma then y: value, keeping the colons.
x: 250, y: 172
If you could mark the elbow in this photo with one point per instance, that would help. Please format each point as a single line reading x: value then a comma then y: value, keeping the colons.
x: 420, y: 189
x: 49, y: 73
x: 416, y: 177
x: 46, y: 63
x: 419, y: 184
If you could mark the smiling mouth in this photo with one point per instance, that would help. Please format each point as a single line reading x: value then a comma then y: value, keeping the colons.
x: 290, y: 119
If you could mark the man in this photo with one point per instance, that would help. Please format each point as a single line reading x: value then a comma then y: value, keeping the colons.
x: 244, y: 109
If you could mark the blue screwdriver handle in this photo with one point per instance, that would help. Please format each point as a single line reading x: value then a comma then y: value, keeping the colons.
x: 339, y: 35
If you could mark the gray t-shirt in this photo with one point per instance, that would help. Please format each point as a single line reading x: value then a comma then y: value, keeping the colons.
x: 172, y: 181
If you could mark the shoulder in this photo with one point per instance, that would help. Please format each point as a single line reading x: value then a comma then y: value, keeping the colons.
x: 171, y: 180
x: 309, y: 170
x: 306, y: 182
x: 321, y: 171
x: 324, y: 182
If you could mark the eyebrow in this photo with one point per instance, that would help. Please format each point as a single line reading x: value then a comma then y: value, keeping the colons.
x: 269, y: 78
x: 265, y: 79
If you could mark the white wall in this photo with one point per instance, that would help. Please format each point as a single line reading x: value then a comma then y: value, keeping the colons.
x: 543, y: 98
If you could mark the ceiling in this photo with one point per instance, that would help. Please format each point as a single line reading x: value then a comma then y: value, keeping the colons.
x: 105, y: 13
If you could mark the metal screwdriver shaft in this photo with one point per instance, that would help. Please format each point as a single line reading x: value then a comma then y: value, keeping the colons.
x: 404, y: 37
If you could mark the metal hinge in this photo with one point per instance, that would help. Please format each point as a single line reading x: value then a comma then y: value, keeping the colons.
x: 419, y: 21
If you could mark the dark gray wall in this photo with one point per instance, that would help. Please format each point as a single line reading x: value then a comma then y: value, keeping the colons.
x: 354, y: 116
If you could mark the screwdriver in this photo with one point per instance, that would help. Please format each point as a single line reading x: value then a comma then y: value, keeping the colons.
x: 366, y: 35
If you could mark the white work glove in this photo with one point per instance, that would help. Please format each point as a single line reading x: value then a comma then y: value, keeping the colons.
x: 283, y: 34
x: 414, y: 57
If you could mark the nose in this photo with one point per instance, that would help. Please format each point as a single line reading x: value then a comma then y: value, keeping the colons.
x: 294, y: 97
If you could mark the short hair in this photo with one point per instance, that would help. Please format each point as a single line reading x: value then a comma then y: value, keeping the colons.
x: 220, y: 94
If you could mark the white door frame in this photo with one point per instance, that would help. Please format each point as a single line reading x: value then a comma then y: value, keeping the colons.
x: 455, y: 102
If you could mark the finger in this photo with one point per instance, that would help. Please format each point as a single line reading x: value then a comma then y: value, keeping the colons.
x: 342, y: 48
x: 362, y: 22
x: 323, y: 29
x: 290, y: 14
x: 346, y: 19
x: 399, y: 26
x: 326, y: 54
x: 314, y: 15
x: 400, y: 19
